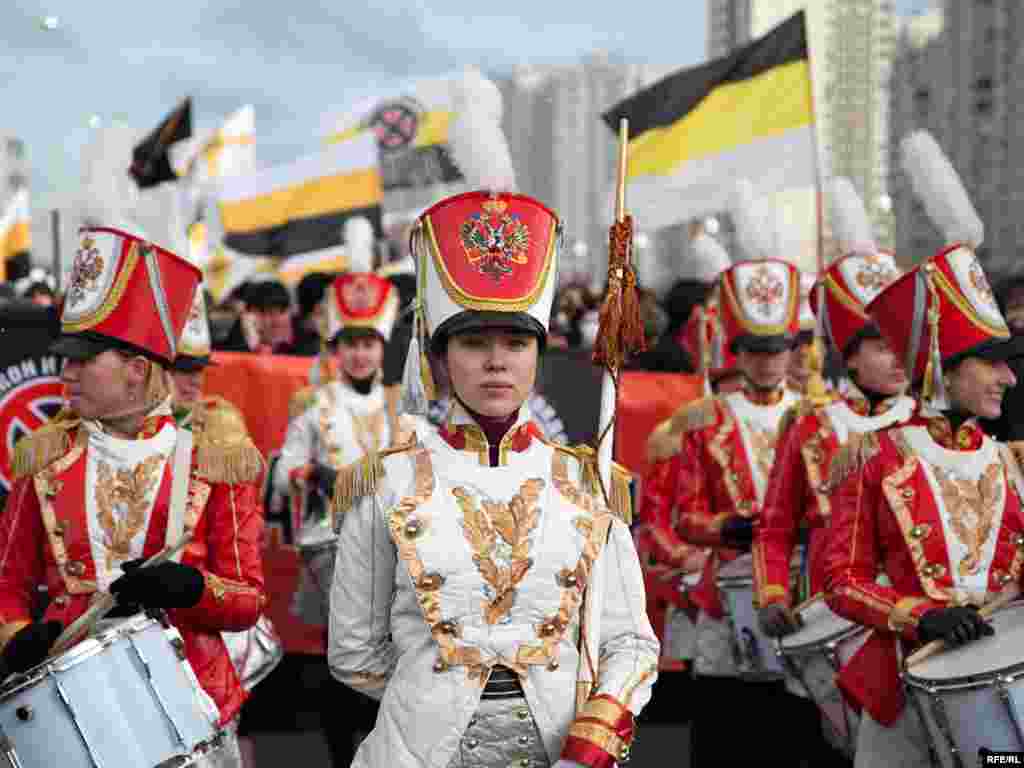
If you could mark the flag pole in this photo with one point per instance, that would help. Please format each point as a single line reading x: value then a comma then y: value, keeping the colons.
x: 816, y: 388
x: 57, y: 263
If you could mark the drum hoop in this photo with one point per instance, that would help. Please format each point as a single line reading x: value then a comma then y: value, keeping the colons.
x: 806, y: 649
x: 76, y: 654
x: 965, y: 682
x: 318, y: 547
x: 734, y: 582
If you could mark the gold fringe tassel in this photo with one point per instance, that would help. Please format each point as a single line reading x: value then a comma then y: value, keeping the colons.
x: 233, y: 464
x: 36, y: 451
x: 621, y: 498
x: 356, y: 481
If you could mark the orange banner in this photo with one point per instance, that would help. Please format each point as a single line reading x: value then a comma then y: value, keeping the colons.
x: 260, y: 386
x: 645, y: 400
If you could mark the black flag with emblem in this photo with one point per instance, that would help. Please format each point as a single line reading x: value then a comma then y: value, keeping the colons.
x: 30, y: 388
x: 150, y: 163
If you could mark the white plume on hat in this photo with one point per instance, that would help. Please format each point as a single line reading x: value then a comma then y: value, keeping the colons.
x: 755, y: 224
x: 109, y: 196
x: 709, y: 260
x: 359, y: 243
x: 851, y: 227
x: 940, y: 190
x: 478, y: 144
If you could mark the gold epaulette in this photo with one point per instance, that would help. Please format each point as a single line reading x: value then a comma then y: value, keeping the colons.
x: 224, y: 451
x: 695, y: 415
x: 1017, y: 451
x: 620, y: 501
x: 663, y: 442
x: 301, y: 401
x: 36, y: 451
x: 361, y: 478
x: 850, y: 459
x: 795, y: 412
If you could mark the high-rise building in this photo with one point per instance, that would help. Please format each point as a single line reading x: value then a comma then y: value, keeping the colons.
x: 851, y: 44
x: 565, y: 155
x: 958, y: 75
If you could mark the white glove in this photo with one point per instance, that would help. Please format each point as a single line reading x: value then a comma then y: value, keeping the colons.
x: 568, y: 764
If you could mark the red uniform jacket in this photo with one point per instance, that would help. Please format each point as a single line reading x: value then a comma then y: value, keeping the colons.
x: 714, y: 480
x: 795, y: 499
x: 886, y: 518
x: 44, y: 539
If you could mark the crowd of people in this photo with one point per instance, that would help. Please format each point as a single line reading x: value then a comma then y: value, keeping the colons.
x: 844, y: 500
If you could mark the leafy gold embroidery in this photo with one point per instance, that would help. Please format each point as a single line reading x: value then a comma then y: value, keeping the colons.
x: 763, y: 443
x: 971, y: 508
x: 499, y: 531
x: 369, y: 429
x: 122, y: 497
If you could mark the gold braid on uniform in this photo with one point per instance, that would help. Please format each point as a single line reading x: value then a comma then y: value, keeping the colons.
x: 851, y: 458
x: 224, y: 451
x: 38, y: 450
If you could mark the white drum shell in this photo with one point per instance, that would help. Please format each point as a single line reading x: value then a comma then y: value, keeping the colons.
x: 759, y: 659
x: 120, y: 699
x: 818, y: 651
x: 311, y: 600
x: 966, y: 695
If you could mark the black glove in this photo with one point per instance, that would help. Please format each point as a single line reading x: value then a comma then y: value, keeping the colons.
x: 955, y: 626
x: 738, y: 532
x: 322, y: 478
x: 30, y: 646
x: 167, y: 585
x: 777, y: 621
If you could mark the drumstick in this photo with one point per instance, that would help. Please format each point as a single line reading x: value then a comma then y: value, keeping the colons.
x: 106, y: 602
x: 1001, y: 600
x: 809, y: 602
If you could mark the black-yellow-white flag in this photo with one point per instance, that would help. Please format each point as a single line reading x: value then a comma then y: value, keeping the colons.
x: 302, y: 206
x: 694, y: 133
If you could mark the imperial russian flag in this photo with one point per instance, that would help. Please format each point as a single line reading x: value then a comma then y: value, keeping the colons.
x: 302, y: 206
x: 746, y: 115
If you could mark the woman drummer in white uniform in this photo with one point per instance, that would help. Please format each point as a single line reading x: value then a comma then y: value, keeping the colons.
x: 933, y: 503
x: 480, y: 574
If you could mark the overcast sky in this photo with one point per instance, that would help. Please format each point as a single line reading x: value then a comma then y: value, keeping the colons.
x: 294, y: 60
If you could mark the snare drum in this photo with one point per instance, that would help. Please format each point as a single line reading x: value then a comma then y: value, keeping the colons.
x: 254, y: 652
x: 973, y: 696
x: 318, y: 546
x: 125, y: 697
x: 814, y: 655
x: 756, y: 654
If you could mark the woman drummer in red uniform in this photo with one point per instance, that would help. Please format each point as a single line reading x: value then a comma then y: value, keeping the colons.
x: 932, y: 503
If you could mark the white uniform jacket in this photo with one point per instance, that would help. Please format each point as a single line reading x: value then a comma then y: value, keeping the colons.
x: 339, y: 427
x: 448, y: 566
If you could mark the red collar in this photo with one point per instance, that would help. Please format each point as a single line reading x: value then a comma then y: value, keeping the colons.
x: 968, y: 436
x: 764, y: 397
x: 464, y: 434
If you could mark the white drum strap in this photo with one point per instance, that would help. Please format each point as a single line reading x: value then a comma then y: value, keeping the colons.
x: 179, y: 490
